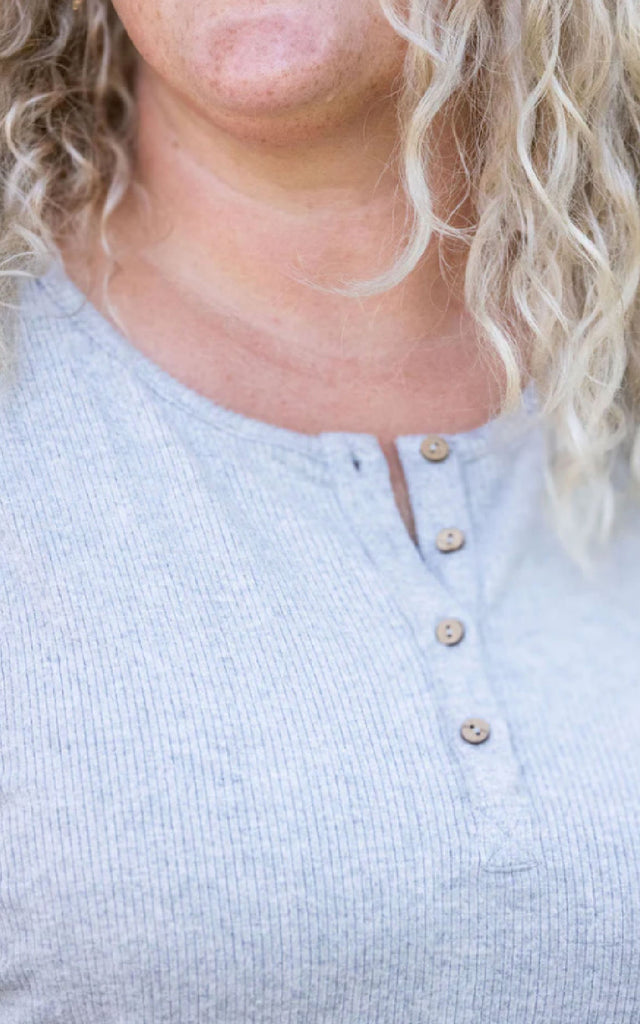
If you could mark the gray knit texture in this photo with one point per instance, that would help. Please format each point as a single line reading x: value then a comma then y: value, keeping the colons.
x: 233, y: 788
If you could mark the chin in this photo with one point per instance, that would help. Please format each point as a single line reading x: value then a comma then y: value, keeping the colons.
x: 273, y: 62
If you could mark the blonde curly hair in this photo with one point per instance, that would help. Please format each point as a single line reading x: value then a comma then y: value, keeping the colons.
x: 553, y: 265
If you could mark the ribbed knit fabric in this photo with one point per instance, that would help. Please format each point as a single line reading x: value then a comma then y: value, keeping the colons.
x: 233, y: 788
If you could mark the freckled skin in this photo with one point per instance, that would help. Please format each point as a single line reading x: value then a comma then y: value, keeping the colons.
x: 301, y: 64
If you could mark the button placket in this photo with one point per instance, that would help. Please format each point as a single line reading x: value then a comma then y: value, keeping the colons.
x: 479, y: 733
x: 426, y: 588
x: 500, y: 811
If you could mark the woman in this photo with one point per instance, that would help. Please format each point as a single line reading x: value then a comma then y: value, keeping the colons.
x: 320, y: 523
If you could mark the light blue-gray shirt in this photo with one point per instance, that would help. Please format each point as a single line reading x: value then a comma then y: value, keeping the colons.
x: 233, y: 783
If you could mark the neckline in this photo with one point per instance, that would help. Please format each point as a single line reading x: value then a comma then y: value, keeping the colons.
x: 64, y: 295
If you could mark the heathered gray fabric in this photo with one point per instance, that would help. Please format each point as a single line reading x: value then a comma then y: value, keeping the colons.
x: 233, y: 787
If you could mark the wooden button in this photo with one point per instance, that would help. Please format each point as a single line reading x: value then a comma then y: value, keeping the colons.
x: 475, y: 730
x: 434, y: 448
x: 450, y: 632
x: 450, y: 539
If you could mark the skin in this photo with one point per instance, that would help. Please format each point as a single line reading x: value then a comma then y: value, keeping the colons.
x: 266, y: 145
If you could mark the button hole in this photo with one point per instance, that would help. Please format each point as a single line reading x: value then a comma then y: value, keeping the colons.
x: 356, y: 461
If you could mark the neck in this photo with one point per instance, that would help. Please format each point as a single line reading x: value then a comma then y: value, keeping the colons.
x: 235, y: 223
x: 229, y: 195
x: 258, y: 214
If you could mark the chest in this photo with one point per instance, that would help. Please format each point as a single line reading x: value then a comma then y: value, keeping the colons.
x: 234, y: 781
x: 236, y: 787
